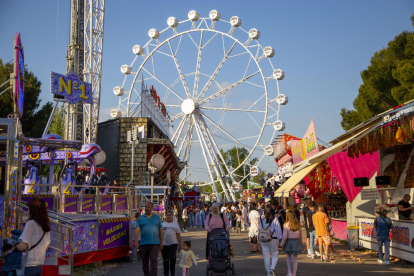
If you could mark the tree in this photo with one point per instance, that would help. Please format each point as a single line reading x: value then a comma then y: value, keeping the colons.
x: 387, y: 82
x: 34, y: 116
x: 58, y: 122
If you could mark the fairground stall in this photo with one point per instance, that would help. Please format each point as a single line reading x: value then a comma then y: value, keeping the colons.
x: 372, y: 165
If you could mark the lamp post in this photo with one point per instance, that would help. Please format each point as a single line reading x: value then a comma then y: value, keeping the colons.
x: 156, y: 163
x: 133, y: 139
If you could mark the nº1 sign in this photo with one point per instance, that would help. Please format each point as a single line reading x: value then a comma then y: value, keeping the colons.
x: 71, y: 88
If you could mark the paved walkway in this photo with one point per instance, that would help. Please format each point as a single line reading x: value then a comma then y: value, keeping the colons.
x: 253, y: 265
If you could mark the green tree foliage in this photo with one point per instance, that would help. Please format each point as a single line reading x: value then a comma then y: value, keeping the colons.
x: 58, y: 123
x: 34, y: 116
x: 387, y: 82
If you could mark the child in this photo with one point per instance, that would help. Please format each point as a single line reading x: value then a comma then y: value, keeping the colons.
x: 292, y: 241
x: 197, y: 218
x: 187, y: 258
x: 239, y: 220
x: 133, y: 225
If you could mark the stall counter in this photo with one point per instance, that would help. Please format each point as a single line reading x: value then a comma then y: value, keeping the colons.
x: 401, y: 236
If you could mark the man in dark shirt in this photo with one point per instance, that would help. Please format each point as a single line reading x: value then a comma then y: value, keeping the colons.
x: 404, y: 208
x: 311, y: 231
x: 305, y: 210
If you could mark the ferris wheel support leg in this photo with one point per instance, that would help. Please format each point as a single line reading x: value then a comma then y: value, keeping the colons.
x: 213, y: 157
x: 208, y: 165
x: 223, y: 161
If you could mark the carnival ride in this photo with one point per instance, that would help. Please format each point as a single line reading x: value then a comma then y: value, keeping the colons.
x: 241, y: 84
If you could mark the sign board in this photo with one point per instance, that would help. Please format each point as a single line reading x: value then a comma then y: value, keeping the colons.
x: 106, y: 202
x: 113, y: 232
x: 71, y: 88
x: 88, y: 203
x: 18, y: 92
x: 401, y: 237
x: 369, y: 194
x: 71, y: 203
x: 48, y: 199
x: 306, y: 147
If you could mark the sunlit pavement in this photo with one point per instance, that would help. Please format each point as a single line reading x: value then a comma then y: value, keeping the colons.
x: 245, y: 264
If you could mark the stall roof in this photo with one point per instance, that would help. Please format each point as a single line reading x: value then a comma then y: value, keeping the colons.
x: 284, y: 190
x: 52, y: 143
x: 326, y: 153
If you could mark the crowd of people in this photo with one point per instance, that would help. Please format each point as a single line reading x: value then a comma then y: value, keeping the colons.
x: 269, y: 228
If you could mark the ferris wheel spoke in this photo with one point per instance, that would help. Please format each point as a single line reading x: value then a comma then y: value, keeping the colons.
x: 209, y: 40
x: 192, y: 40
x: 255, y: 121
x: 197, y: 76
x: 176, y: 116
x: 231, y: 109
x: 185, y: 137
x: 163, y: 84
x: 213, y: 77
x: 172, y: 105
x: 227, y: 88
x: 179, y: 130
x: 225, y: 132
x: 187, y: 91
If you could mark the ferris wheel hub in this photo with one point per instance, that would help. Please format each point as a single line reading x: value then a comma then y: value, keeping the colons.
x: 188, y: 106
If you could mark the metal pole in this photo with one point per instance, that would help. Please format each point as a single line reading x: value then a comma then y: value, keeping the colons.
x: 50, y: 119
x: 152, y: 184
x: 132, y: 160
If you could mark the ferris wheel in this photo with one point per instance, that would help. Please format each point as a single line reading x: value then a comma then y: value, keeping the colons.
x: 220, y: 90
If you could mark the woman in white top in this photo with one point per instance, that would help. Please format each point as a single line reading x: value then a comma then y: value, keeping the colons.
x: 36, y: 232
x: 171, y: 241
x: 253, y: 229
x: 270, y: 248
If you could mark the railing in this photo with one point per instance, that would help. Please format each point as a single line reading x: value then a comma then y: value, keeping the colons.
x: 62, y: 247
x: 60, y: 199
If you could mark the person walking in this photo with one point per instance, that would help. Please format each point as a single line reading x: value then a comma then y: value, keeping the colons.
x: 152, y: 235
x: 171, y: 241
x: 36, y: 237
x: 197, y: 218
x: 383, y: 226
x: 185, y: 219
x: 230, y: 215
x: 311, y: 228
x: 238, y: 220
x: 253, y: 229
x: 175, y: 213
x: 187, y: 258
x: 203, y: 215
x: 270, y: 248
x: 245, y: 217
x: 292, y: 242
x: 215, y: 220
x: 191, y: 217
x: 320, y: 221
x: 306, y: 209
x: 281, y: 215
x: 132, y: 227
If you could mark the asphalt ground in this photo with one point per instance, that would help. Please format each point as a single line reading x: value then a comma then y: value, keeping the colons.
x: 245, y: 264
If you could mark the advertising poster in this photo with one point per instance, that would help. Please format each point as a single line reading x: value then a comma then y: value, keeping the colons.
x: 306, y: 147
x: 88, y: 203
x: 71, y: 203
x: 121, y: 202
x: 113, y: 233
x: 48, y: 199
x: 106, y: 202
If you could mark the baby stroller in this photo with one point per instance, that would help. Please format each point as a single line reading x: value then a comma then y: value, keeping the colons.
x: 219, y: 253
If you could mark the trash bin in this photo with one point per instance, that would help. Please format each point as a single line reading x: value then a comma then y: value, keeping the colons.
x: 352, y: 234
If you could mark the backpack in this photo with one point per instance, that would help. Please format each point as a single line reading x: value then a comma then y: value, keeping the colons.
x: 264, y: 233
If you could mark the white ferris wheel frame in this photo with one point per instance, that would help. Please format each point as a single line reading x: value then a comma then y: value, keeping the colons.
x: 195, y: 119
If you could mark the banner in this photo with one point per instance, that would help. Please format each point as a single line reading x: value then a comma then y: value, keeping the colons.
x: 113, y: 233
x: 106, y: 202
x: 71, y: 88
x: 48, y: 199
x: 71, y: 203
x: 306, y: 147
x: 121, y: 202
x: 401, y: 236
x: 84, y: 239
x: 88, y: 203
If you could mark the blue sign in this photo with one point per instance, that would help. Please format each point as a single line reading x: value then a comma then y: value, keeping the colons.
x: 71, y: 88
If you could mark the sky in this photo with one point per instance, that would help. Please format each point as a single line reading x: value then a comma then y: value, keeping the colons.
x: 322, y: 46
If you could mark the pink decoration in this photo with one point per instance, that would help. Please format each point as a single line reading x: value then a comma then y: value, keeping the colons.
x: 346, y: 169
